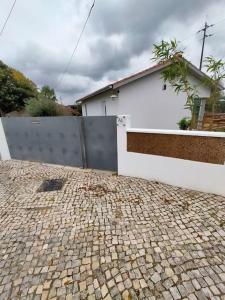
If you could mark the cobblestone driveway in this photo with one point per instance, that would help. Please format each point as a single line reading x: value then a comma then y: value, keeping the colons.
x: 107, y: 237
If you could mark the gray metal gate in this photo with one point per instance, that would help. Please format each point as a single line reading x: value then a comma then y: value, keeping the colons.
x: 88, y: 142
x: 100, y: 134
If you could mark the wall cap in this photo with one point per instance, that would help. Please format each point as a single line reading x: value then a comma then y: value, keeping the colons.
x: 178, y: 132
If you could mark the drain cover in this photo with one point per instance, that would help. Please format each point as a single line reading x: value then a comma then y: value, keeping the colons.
x: 49, y: 185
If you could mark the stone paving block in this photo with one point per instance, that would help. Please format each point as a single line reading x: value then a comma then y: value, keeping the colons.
x: 107, y: 237
x: 175, y: 293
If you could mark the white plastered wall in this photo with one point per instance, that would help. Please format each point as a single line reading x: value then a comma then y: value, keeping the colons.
x: 192, y: 175
x: 146, y: 102
x: 4, y: 149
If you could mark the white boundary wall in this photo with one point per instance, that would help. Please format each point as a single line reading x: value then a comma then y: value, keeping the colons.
x: 192, y: 175
x: 4, y: 149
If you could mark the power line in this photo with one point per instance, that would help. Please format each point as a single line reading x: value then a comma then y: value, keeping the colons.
x: 188, y: 37
x: 205, y: 35
x: 192, y: 35
x: 221, y: 30
x: 7, y: 19
x: 222, y: 20
x: 76, y: 46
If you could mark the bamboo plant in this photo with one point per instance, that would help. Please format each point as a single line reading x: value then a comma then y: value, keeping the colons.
x: 216, y: 70
x: 177, y: 74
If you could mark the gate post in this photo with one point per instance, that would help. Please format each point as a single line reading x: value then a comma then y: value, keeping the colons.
x: 4, y: 149
x: 123, y: 122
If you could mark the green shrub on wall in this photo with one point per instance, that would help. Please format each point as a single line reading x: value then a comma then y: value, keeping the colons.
x: 43, y: 107
x: 184, y: 124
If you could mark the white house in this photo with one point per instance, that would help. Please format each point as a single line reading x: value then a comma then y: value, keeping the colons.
x: 150, y: 102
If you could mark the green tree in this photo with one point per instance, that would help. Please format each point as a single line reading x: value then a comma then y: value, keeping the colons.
x: 15, y: 89
x: 177, y: 73
x: 43, y: 107
x: 48, y: 92
x: 7, y: 91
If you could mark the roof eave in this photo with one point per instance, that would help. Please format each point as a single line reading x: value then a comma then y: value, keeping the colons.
x: 139, y: 75
x: 100, y: 91
x: 199, y: 74
x: 196, y: 72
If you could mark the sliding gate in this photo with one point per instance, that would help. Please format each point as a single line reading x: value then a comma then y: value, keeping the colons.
x: 87, y: 142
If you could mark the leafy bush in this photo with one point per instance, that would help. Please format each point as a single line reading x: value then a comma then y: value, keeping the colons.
x: 15, y: 89
x: 43, y: 107
x: 184, y: 124
x: 48, y: 93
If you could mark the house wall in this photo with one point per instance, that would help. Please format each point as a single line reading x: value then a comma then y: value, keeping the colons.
x: 93, y: 108
x: 99, y: 105
x: 146, y: 102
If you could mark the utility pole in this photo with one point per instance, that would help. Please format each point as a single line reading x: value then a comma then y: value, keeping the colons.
x: 203, y: 101
x: 205, y: 35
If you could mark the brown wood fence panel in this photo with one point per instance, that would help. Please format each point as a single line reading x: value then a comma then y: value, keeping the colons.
x: 214, y: 122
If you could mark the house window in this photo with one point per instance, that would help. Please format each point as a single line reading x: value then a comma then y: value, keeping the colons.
x: 164, y: 87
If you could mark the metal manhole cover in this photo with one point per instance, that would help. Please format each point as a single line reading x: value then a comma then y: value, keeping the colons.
x: 50, y: 185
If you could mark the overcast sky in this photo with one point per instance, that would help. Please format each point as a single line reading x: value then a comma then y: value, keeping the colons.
x: 41, y: 34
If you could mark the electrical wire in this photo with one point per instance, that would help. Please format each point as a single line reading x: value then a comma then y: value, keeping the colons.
x: 191, y: 36
x: 222, y: 20
x: 188, y: 38
x: 76, y: 46
x: 218, y: 31
x: 7, y: 19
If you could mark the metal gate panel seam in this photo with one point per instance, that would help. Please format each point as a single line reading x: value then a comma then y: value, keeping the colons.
x: 82, y: 143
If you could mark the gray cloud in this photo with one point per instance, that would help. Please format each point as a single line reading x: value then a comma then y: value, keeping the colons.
x: 118, y: 32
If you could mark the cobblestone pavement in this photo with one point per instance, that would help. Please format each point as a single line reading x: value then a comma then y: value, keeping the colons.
x: 107, y: 237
